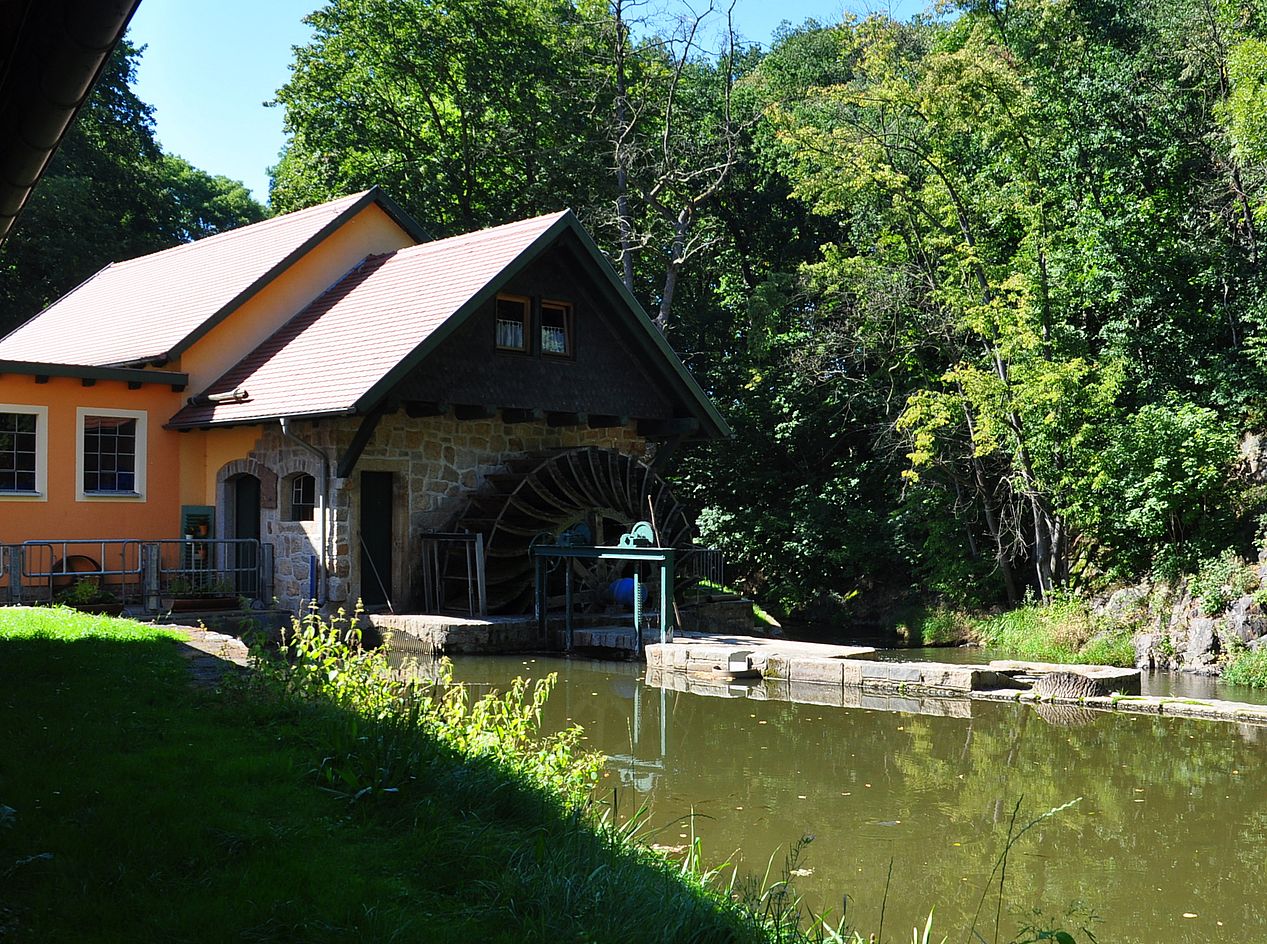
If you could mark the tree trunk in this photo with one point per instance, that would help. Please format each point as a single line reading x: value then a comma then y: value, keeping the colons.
x: 678, y: 247
x: 624, y: 217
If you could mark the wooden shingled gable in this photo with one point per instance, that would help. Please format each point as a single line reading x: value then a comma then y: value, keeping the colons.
x: 348, y: 351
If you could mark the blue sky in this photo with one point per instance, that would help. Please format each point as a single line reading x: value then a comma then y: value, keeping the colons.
x: 210, y: 65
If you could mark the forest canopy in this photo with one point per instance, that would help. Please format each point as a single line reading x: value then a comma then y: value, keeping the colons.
x: 979, y: 292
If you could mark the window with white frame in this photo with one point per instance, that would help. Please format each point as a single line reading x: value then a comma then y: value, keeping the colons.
x: 302, y: 494
x: 110, y: 457
x: 23, y: 451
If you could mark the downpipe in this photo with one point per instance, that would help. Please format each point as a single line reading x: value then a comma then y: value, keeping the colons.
x: 288, y: 433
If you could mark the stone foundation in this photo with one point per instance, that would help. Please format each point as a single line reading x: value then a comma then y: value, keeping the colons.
x: 438, y: 462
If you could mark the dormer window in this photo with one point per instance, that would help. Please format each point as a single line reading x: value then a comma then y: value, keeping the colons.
x: 513, y: 319
x: 556, y: 328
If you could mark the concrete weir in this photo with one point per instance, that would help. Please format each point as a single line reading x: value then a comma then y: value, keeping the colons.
x: 451, y: 635
x: 430, y: 635
x: 851, y: 677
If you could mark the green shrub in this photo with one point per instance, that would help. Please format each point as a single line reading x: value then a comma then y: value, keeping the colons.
x: 383, y: 724
x: 1247, y: 668
x: 85, y: 592
x: 1221, y: 580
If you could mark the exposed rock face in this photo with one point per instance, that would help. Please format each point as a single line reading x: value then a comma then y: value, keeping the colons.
x: 1126, y: 603
x: 1245, y: 620
x: 1147, y: 656
x: 1203, y: 643
x: 1174, y: 633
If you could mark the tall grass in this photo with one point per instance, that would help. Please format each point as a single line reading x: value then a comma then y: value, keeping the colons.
x: 384, y: 728
x: 1062, y: 629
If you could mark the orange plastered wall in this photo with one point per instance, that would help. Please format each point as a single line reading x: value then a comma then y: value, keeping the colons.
x: 370, y: 231
x: 61, y: 515
x: 204, y: 453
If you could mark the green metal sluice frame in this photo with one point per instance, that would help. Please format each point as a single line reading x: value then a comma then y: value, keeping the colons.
x: 631, y: 548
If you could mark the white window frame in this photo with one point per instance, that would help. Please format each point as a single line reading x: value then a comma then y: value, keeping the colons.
x: 41, y: 453
x: 139, y: 460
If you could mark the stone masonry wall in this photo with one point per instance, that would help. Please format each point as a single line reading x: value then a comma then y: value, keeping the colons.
x: 438, y: 462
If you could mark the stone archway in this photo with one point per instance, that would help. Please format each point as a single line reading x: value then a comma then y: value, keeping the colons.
x: 225, y: 492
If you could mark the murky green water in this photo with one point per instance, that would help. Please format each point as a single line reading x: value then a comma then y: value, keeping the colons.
x: 1173, y: 819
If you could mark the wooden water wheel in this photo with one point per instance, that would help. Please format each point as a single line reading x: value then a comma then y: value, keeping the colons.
x: 547, y: 493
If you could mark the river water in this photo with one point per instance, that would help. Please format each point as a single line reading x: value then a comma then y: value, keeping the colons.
x: 1166, y: 844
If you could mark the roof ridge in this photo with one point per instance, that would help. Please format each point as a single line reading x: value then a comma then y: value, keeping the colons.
x: 333, y: 207
x: 552, y: 218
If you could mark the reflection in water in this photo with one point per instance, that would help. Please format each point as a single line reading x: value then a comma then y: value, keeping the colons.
x: 1171, y: 820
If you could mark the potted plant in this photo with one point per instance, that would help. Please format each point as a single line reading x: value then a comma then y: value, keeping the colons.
x: 215, y: 595
x: 88, y: 596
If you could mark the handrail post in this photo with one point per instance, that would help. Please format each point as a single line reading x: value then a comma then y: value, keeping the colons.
x: 668, y: 576
x: 481, y: 586
x: 151, y: 565
x: 15, y: 573
x: 567, y: 600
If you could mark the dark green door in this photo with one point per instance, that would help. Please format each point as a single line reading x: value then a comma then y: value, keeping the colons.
x: 246, y: 524
x: 377, y: 489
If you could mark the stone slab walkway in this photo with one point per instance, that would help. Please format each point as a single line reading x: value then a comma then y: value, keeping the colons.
x: 210, y: 654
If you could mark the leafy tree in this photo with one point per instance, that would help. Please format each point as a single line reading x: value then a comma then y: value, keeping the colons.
x: 457, y: 109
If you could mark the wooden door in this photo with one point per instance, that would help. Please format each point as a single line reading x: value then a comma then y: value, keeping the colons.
x: 377, y: 498
x: 246, y: 525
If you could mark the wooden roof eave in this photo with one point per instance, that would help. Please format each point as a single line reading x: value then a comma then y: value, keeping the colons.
x: 176, y: 380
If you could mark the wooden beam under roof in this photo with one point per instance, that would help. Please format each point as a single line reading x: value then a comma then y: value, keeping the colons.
x: 416, y: 409
x: 679, y: 426
x: 512, y: 415
x: 469, y: 411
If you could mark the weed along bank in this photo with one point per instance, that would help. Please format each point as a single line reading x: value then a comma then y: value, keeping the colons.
x: 329, y: 405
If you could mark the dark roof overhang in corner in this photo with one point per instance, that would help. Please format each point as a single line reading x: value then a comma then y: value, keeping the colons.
x: 374, y: 195
x: 51, y: 53
x: 712, y: 425
x: 128, y: 375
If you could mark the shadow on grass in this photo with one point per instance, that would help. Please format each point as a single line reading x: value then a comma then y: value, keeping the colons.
x: 145, y: 809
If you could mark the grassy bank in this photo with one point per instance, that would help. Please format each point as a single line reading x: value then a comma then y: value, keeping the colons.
x: 1061, y: 630
x: 134, y: 807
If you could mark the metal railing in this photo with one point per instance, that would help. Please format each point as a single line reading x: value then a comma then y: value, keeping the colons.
x: 147, y: 576
x: 37, y: 571
x: 703, y: 563
x: 213, y: 567
x: 453, y: 561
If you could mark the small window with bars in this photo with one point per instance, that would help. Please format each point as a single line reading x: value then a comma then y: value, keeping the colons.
x: 19, y: 456
x: 109, y: 455
x: 303, y: 497
x: 556, y: 328
x: 512, y: 323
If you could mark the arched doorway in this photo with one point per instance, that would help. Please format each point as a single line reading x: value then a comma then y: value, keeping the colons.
x: 242, y: 504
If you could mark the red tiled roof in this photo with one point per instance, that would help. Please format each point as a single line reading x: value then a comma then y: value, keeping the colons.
x: 144, y: 308
x: 330, y: 355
